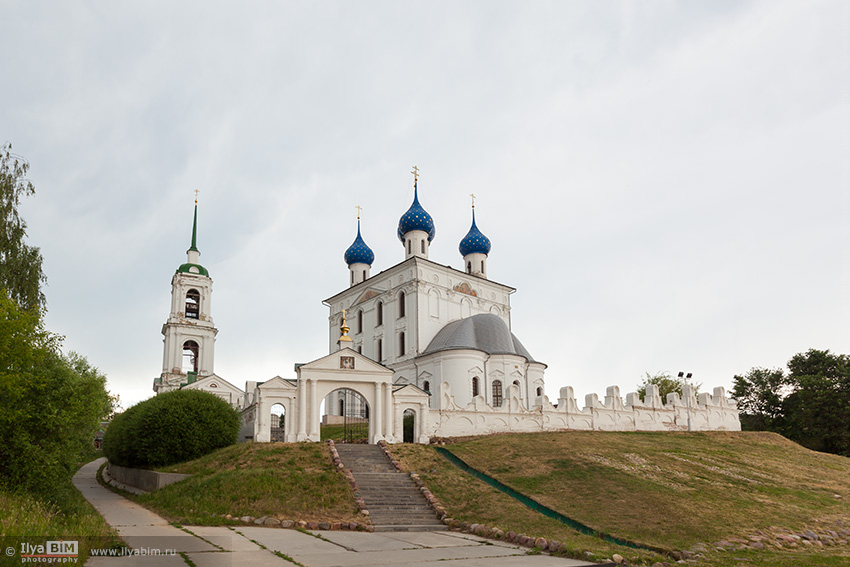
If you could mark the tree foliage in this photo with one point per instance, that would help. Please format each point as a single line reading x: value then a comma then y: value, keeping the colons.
x: 50, y: 404
x: 759, y: 394
x: 171, y: 428
x: 810, y: 404
x: 21, y: 274
x: 667, y: 384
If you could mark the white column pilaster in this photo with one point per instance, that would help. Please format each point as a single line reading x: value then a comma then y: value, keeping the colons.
x: 314, y: 412
x: 303, y: 408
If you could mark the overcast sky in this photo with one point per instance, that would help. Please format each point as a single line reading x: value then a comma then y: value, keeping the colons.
x: 666, y: 184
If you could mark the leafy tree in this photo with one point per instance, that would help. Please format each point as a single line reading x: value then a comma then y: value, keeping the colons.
x: 50, y: 404
x: 759, y: 394
x: 666, y: 383
x: 21, y: 273
x: 817, y: 411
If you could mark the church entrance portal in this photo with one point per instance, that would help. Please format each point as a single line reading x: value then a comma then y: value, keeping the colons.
x: 346, y: 418
x: 277, y: 422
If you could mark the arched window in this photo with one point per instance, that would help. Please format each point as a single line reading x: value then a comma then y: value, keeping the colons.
x: 408, y: 246
x: 364, y: 275
x: 401, y: 298
x: 516, y: 383
x: 469, y: 267
x: 422, y: 245
x: 497, y: 393
x: 379, y: 313
x: 539, y: 391
x: 474, y: 386
x: 379, y: 350
x: 190, y: 356
x: 482, y: 266
x: 352, y: 277
x: 360, y: 321
x: 401, y: 344
x: 193, y: 304
x: 426, y: 385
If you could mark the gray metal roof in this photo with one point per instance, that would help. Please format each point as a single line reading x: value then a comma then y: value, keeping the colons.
x: 485, y: 332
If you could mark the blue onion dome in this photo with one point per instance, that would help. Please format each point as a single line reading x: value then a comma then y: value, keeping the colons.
x: 416, y: 218
x: 474, y: 242
x: 359, y: 252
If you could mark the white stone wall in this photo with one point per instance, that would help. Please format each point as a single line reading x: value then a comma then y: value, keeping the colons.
x: 710, y: 412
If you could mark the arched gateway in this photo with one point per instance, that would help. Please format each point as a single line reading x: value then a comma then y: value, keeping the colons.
x: 345, y: 370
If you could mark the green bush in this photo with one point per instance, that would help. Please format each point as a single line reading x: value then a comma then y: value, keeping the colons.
x: 171, y: 428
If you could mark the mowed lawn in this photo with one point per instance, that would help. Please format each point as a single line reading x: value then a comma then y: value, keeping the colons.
x: 671, y: 490
x: 285, y: 480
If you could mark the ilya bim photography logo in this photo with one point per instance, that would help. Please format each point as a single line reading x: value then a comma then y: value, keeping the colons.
x: 60, y: 551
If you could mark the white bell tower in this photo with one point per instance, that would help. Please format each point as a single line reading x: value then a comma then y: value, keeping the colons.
x: 189, y: 333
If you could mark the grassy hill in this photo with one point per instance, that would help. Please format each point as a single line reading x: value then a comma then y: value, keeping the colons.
x: 289, y: 481
x: 671, y: 490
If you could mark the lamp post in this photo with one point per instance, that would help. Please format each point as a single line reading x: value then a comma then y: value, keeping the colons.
x: 688, y: 397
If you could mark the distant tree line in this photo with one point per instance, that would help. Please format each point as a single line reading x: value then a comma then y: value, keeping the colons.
x: 809, y: 403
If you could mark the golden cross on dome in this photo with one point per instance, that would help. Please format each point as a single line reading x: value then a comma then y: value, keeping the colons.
x: 473, y: 199
x: 359, y: 208
x: 415, y: 173
x: 196, y: 196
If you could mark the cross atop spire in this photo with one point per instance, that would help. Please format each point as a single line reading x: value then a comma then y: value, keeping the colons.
x: 415, y: 173
x: 473, y: 199
x: 359, y: 209
x: 196, y: 196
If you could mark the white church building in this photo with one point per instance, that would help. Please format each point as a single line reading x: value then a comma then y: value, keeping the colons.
x: 419, y: 350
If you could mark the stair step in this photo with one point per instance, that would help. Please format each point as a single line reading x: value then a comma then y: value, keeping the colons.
x: 393, y: 501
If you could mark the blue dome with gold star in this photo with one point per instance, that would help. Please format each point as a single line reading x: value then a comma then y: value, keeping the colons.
x: 358, y: 252
x: 416, y: 218
x: 474, y: 242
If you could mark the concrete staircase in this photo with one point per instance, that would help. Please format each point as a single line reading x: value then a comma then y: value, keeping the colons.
x: 393, y: 501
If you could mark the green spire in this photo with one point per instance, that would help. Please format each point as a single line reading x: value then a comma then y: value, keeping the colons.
x: 195, y: 229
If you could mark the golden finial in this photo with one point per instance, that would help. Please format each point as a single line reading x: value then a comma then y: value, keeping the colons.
x: 359, y: 208
x: 343, y: 329
x: 415, y: 173
x: 473, y: 199
x: 196, y: 196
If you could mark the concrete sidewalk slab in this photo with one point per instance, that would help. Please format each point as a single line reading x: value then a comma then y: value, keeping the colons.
x: 224, y: 538
x: 291, y: 542
x: 412, y: 556
x: 257, y: 558
x: 361, y: 542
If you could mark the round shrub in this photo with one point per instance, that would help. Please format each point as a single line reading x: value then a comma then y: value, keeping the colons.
x: 171, y: 428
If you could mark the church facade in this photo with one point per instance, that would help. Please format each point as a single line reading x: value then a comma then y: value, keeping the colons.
x: 419, y: 350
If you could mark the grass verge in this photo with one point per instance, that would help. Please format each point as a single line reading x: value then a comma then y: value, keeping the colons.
x: 286, y: 481
x: 63, y: 515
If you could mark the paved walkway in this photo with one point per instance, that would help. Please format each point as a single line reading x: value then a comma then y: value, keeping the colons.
x: 143, y: 530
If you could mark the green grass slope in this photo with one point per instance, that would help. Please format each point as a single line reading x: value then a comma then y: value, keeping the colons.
x: 288, y: 481
x: 672, y: 490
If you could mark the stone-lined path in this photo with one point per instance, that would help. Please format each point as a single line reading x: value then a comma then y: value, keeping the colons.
x: 229, y: 546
